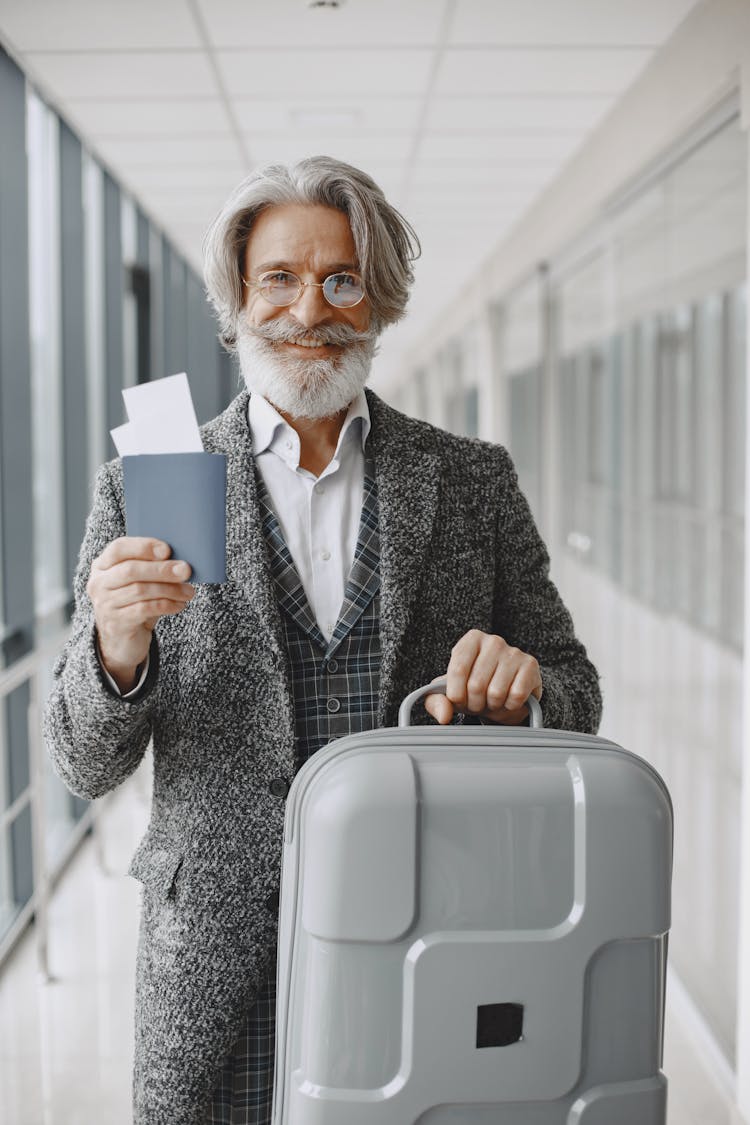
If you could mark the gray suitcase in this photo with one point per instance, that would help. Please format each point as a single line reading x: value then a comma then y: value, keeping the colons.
x: 473, y: 929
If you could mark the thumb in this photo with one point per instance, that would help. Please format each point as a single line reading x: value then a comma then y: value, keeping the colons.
x: 440, y: 707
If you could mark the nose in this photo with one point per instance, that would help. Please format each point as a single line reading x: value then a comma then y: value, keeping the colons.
x: 311, y: 307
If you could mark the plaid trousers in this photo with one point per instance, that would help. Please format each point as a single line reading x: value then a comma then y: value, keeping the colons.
x: 335, y: 691
x: 244, y: 1089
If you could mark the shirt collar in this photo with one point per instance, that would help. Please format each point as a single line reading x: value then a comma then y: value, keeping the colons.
x: 269, y: 431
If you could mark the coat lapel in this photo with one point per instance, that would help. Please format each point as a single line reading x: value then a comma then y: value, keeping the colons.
x: 290, y: 592
x: 407, y: 474
x: 363, y: 581
x: 247, y: 563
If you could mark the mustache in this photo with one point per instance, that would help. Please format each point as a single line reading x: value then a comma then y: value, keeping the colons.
x: 286, y: 331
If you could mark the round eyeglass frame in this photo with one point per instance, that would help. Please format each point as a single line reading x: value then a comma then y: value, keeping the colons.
x: 302, y: 285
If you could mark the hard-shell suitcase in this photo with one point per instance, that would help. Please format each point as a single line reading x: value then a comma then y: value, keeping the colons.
x: 473, y: 929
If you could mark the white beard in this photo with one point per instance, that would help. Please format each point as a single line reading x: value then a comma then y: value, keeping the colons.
x: 304, y: 388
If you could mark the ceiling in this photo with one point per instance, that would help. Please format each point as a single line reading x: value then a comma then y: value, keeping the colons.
x: 462, y: 110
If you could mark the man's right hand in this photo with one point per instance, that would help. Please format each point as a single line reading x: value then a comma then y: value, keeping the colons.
x: 132, y: 584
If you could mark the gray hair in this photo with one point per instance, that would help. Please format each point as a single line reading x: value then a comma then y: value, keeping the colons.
x: 386, y: 243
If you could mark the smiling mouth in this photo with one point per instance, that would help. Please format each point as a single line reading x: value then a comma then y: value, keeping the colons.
x: 312, y: 345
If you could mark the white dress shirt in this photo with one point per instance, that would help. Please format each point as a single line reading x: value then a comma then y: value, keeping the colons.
x: 319, y: 516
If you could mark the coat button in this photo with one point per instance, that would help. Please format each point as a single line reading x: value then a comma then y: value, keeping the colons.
x: 332, y: 666
x: 279, y: 787
x: 334, y: 705
x: 272, y: 902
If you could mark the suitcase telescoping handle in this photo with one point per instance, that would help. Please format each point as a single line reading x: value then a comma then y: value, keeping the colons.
x: 404, y: 713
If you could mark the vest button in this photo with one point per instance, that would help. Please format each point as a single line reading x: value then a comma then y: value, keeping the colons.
x: 279, y: 787
x: 332, y: 666
x: 334, y: 705
x: 272, y: 902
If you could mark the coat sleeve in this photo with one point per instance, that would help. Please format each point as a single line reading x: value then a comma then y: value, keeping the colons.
x: 94, y: 737
x: 530, y: 614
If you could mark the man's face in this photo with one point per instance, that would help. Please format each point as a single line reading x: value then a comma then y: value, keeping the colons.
x: 312, y: 242
x: 310, y: 359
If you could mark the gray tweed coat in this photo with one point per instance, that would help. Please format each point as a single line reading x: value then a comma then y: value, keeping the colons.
x: 459, y: 550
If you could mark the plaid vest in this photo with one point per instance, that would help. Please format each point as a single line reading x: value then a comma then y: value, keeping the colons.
x: 334, y: 683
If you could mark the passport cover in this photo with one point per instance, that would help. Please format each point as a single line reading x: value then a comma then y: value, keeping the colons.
x: 180, y: 498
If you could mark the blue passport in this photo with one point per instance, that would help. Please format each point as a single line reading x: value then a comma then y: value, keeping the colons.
x: 180, y: 498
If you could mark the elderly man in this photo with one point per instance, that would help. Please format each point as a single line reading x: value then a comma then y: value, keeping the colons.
x: 366, y: 554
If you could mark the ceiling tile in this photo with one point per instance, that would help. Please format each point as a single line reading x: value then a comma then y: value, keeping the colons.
x: 481, y: 147
x: 498, y: 114
x: 367, y: 153
x: 324, y: 73
x: 258, y: 115
x: 573, y: 22
x: 144, y: 117
x: 200, y: 177
x: 499, y: 71
x: 196, y: 204
x: 53, y: 25
x: 181, y: 151
x: 125, y: 74
x: 471, y: 174
x: 291, y: 23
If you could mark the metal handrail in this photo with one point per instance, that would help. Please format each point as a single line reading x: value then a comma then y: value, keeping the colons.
x: 29, y: 669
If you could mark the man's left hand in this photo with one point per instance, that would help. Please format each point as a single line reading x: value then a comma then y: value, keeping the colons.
x: 487, y: 677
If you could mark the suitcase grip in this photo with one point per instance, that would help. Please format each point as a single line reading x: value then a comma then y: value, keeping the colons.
x: 404, y: 712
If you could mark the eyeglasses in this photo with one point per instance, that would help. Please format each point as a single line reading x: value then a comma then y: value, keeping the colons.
x: 281, y: 288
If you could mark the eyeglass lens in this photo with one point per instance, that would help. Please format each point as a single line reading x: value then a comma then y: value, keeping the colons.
x: 342, y: 290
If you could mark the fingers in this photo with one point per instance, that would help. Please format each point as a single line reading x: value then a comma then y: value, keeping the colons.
x: 488, y: 676
x: 131, y: 561
x: 135, y: 592
x: 132, y: 547
x: 132, y: 584
x: 136, y: 571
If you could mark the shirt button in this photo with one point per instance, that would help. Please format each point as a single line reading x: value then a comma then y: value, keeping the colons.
x: 288, y: 444
x: 320, y: 489
x: 332, y: 666
x: 279, y: 787
x: 334, y: 705
x: 325, y: 555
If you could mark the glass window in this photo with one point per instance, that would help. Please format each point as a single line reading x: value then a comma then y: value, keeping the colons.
x: 451, y: 370
x: 734, y: 447
x: 525, y: 431
x: 8, y: 905
x: 735, y: 409
x: 420, y: 397
x: 129, y: 239
x: 93, y: 205
x: 710, y: 362
x: 471, y: 412
x: 156, y: 294
x: 521, y: 352
x: 44, y: 307
x: 3, y: 624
